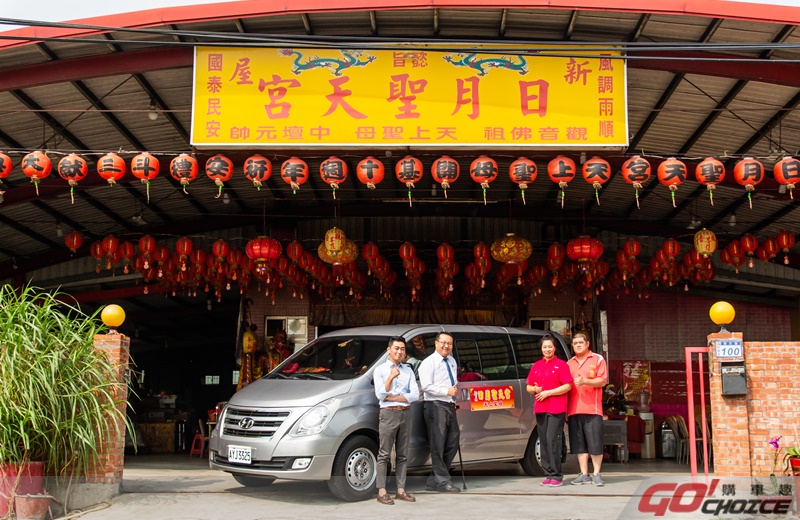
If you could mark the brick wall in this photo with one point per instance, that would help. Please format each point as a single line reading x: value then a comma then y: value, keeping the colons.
x: 743, y: 425
x: 658, y: 328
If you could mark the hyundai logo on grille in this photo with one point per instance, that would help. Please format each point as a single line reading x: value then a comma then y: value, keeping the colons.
x: 246, y: 423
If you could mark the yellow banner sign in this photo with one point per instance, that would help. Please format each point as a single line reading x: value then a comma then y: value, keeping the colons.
x: 491, y: 397
x: 245, y: 97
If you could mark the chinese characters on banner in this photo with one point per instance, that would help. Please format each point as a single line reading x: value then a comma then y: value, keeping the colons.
x: 635, y: 379
x: 425, y: 97
x: 491, y: 398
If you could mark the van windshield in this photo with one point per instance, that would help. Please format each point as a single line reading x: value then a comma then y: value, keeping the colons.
x: 332, y: 358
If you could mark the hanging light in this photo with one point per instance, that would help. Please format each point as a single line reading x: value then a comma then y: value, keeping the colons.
x: 152, y: 114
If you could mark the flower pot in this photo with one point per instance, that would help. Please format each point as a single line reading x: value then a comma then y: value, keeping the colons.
x: 29, y: 480
x: 32, y: 507
x: 794, y: 464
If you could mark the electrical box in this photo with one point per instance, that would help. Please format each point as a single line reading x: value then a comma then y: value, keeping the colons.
x: 734, y: 381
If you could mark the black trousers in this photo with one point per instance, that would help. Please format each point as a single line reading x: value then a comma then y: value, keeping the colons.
x: 443, y: 437
x: 551, y: 431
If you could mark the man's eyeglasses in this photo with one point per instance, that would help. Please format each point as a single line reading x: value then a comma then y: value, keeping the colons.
x: 445, y: 343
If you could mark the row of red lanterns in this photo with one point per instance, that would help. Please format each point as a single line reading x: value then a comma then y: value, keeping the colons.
x: 445, y: 170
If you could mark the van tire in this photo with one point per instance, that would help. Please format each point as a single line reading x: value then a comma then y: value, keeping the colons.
x: 354, y: 469
x: 531, y: 462
x: 248, y: 481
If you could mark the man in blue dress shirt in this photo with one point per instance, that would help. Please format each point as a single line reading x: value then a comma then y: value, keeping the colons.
x: 396, y: 388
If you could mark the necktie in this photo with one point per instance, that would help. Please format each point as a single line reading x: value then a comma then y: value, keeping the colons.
x: 450, y: 373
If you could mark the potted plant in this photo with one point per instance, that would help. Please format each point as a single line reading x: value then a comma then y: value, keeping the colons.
x: 59, y: 394
x: 792, y: 459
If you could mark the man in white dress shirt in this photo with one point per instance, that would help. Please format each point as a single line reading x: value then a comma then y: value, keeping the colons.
x: 437, y: 379
x: 396, y: 388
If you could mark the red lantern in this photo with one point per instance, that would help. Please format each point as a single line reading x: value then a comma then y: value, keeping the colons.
x: 787, y: 172
x: 145, y: 167
x: 596, y: 171
x: 73, y: 240
x: 109, y: 245
x: 710, y: 172
x: 183, y: 246
x: 483, y: 170
x: 333, y: 171
x: 671, y: 248
x: 36, y: 165
x: 111, y: 167
x: 632, y: 247
x: 748, y: 172
x: 672, y: 173
x: 147, y: 246
x: 370, y: 252
x: 257, y: 169
x: 636, y: 171
x: 294, y: 250
x: 749, y: 245
x: 72, y: 169
x: 561, y: 170
x: 407, y: 251
x: 219, y: 169
x: 770, y: 246
x: 408, y: 171
x: 294, y: 172
x: 445, y: 253
x: 522, y: 172
x: 183, y: 168
x: 584, y: 249
x: 96, y: 250
x: 5, y: 166
x: 370, y: 171
x: 258, y: 249
x: 445, y: 170
x: 127, y: 251
x: 785, y: 242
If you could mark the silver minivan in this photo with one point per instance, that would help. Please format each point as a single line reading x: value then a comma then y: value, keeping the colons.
x: 315, y: 417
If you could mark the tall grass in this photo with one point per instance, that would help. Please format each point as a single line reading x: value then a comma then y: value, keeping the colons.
x: 59, y: 395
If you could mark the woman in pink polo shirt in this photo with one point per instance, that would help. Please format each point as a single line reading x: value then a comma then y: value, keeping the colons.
x: 550, y: 381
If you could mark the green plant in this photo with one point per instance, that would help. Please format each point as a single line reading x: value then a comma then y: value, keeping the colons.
x: 792, y: 452
x: 59, y: 394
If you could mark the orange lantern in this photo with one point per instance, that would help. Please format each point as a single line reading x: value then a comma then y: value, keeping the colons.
x: 257, y: 169
x: 785, y: 242
x: 334, y: 240
x: 787, y: 172
x: 72, y: 169
x: 294, y: 172
x: 710, y: 172
x: 483, y: 170
x: 219, y: 169
x: 445, y: 170
x: 522, y: 172
x: 145, y: 167
x: 635, y: 171
x: 5, y: 166
x: 561, y: 170
x: 333, y: 171
x: 36, y: 165
x: 748, y: 172
x: 408, y: 171
x: 705, y: 242
x: 672, y: 173
x: 111, y: 167
x: 73, y: 240
x: 596, y: 171
x: 370, y: 171
x: 183, y: 169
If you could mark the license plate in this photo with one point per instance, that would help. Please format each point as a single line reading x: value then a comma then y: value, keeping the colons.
x: 239, y: 454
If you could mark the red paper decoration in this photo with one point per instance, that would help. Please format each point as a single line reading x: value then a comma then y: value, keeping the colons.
x: 522, y: 172
x: 408, y: 171
x: 561, y: 170
x: 445, y: 170
x: 333, y: 171
x: 111, y: 167
x: 710, y: 172
x: 636, y: 171
x: 785, y: 242
x: 787, y: 172
x: 183, y: 169
x: 257, y: 169
x: 294, y: 172
x: 370, y: 171
x: 748, y: 172
x: 596, y: 171
x: 672, y: 173
x: 5, y: 166
x: 36, y: 165
x: 72, y: 168
x: 145, y: 167
x: 219, y: 169
x: 73, y: 240
x: 483, y: 170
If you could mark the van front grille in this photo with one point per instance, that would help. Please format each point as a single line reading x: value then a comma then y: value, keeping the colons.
x: 252, y: 423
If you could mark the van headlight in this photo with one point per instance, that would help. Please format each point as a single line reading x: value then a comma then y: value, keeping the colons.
x: 316, y: 419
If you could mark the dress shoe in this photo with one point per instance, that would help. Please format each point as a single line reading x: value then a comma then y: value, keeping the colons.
x: 405, y: 497
x: 385, y: 499
x: 448, y: 488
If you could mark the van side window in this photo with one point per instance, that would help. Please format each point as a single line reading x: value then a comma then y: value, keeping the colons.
x: 485, y: 358
x: 418, y: 348
x: 527, y: 351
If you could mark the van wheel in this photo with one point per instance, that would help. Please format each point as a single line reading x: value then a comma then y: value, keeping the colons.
x: 532, y: 461
x: 354, y: 469
x: 249, y: 481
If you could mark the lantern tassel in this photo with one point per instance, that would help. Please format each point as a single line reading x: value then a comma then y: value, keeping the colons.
x: 523, y: 197
x: 711, y: 197
x: 563, y: 186
x: 749, y: 196
x: 333, y: 187
x: 147, y: 189
x: 791, y: 187
x: 72, y: 194
x: 295, y: 187
x: 597, y: 196
x: 484, y: 185
x: 219, y: 191
x: 36, y: 185
x: 672, y: 190
x: 409, y: 185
